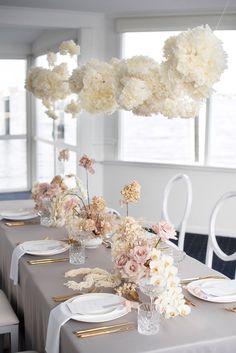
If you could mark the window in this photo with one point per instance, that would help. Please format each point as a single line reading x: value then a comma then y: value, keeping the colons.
x: 206, y: 140
x: 13, y: 136
x: 52, y: 136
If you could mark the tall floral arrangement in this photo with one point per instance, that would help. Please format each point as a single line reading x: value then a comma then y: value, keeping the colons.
x: 83, y: 213
x: 137, y: 255
x: 131, y: 194
x: 193, y: 62
x: 50, y: 195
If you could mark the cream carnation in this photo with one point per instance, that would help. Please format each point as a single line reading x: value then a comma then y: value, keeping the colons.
x: 134, y: 93
x: 69, y: 47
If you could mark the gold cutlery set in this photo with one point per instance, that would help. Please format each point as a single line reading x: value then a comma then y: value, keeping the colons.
x: 63, y: 298
x: 188, y: 280
x: 20, y: 223
x: 99, y: 331
x: 48, y: 261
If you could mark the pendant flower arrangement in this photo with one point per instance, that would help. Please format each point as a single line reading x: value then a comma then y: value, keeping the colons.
x: 193, y: 62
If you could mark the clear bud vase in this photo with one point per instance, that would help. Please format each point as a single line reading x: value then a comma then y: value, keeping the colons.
x: 45, y: 213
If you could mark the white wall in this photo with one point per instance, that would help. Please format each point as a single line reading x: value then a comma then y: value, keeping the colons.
x: 208, y: 185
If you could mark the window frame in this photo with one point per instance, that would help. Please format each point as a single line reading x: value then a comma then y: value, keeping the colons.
x: 174, y: 23
x: 26, y: 136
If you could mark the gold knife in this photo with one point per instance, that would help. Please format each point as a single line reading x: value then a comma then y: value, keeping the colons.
x: 191, y: 279
x: 47, y: 261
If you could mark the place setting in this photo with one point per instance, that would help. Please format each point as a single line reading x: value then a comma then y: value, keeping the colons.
x: 44, y: 247
x: 19, y: 217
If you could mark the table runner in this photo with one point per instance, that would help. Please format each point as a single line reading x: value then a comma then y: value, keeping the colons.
x: 207, y: 328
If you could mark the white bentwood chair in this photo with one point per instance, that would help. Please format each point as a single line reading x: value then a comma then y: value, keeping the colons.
x: 212, y: 245
x: 181, y: 227
x: 9, y: 322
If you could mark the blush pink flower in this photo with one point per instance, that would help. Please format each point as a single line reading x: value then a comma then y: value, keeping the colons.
x: 141, y: 254
x: 64, y: 155
x: 164, y: 230
x: 87, y: 163
x: 133, y: 270
x: 70, y: 205
x: 121, y: 260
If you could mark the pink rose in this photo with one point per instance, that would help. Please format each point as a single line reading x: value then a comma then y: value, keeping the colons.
x: 141, y: 254
x: 164, y: 230
x: 121, y: 260
x: 132, y: 270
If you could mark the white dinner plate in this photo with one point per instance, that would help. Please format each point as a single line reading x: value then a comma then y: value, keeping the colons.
x: 195, y: 288
x: 97, y: 313
x: 44, y: 247
x: 20, y: 215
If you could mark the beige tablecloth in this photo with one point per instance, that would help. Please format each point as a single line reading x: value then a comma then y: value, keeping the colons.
x: 208, y: 328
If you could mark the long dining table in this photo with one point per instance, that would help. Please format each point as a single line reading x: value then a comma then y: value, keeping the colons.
x: 208, y: 329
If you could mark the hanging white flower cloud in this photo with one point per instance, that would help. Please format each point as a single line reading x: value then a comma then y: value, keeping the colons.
x: 193, y: 62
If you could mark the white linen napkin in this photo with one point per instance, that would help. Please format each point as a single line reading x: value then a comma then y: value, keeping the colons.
x: 219, y: 288
x: 16, y: 255
x: 58, y: 317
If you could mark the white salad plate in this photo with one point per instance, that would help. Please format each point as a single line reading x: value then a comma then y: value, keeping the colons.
x: 97, y: 307
x: 44, y: 247
x: 214, y: 290
x: 20, y: 215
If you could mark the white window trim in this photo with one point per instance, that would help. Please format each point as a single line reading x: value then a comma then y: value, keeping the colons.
x: 27, y: 136
x: 175, y: 23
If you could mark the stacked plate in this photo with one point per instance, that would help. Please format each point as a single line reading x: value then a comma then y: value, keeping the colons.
x: 214, y: 290
x: 18, y: 215
x: 97, y: 307
x: 44, y: 247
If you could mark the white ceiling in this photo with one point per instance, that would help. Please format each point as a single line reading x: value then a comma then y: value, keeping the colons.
x: 124, y: 6
x: 16, y: 35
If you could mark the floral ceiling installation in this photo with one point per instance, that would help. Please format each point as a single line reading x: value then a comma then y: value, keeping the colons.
x: 193, y: 62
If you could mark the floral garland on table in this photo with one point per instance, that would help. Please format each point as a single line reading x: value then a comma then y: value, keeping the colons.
x: 193, y: 62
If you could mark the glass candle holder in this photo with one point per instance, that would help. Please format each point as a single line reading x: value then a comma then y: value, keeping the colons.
x: 77, y: 252
x: 148, y: 319
x: 45, y: 213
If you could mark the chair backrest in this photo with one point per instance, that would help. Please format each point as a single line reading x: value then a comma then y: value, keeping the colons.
x: 212, y: 245
x: 181, y: 227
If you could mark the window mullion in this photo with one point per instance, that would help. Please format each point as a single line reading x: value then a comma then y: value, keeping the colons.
x: 208, y: 132
x: 196, y: 139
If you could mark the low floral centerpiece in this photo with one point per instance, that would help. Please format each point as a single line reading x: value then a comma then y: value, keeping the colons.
x: 136, y: 256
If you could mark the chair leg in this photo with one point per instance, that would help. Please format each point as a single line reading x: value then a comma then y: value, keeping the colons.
x: 1, y: 343
x: 14, y: 338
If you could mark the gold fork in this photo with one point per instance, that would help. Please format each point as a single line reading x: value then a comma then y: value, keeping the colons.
x: 63, y: 298
x: 232, y: 309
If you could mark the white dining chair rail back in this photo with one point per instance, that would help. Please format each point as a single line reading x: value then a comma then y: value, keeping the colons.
x: 212, y: 245
x: 181, y: 227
